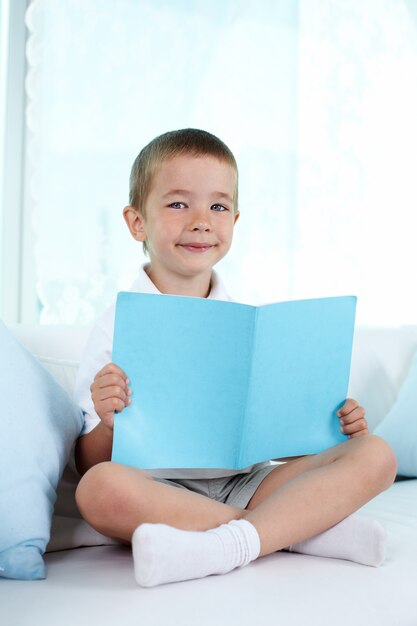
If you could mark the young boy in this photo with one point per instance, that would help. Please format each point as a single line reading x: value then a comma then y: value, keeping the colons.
x: 190, y: 523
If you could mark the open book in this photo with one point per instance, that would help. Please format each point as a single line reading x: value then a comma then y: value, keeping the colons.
x: 225, y: 385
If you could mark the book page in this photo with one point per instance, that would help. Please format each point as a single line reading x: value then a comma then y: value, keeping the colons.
x: 188, y: 361
x: 299, y: 377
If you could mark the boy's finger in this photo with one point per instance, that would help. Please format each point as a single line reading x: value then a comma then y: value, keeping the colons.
x: 353, y: 416
x: 349, y: 429
x: 105, y: 393
x: 111, y: 379
x: 359, y: 433
x: 111, y: 368
x: 109, y: 406
x: 348, y: 406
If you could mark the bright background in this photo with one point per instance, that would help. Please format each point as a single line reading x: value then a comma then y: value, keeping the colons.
x: 316, y: 98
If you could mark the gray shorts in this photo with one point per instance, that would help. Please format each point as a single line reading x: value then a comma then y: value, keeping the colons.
x: 233, y: 490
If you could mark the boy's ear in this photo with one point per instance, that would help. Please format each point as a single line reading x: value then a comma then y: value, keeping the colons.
x: 135, y: 223
x: 236, y: 217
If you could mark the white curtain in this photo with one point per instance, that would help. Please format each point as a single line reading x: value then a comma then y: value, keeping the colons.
x: 317, y: 100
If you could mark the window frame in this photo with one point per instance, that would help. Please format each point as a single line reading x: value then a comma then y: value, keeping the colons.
x: 15, y: 302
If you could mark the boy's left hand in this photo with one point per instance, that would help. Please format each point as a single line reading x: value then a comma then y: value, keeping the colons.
x: 352, y: 419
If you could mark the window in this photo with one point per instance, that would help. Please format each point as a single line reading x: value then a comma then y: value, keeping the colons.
x: 316, y: 99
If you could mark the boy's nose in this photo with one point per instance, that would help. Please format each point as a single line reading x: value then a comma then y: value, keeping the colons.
x: 201, y: 225
x: 201, y: 221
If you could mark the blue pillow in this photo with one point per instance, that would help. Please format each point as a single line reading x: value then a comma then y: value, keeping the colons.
x: 38, y: 425
x: 399, y: 426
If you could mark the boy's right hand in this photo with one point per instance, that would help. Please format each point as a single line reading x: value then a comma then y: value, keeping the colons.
x: 110, y: 393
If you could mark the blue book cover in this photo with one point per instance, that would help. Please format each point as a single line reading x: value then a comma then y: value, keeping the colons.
x: 219, y: 384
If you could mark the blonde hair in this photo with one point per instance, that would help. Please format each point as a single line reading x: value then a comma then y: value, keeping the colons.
x: 190, y: 141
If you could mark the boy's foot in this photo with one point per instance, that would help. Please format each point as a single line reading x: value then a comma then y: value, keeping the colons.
x: 163, y: 554
x: 355, y: 538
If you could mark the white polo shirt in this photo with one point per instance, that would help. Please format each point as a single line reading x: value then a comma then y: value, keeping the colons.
x: 98, y: 353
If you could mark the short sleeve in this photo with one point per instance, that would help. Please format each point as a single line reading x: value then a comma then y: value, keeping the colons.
x: 97, y: 354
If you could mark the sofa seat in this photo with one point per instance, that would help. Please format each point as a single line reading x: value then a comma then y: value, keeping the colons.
x: 95, y: 585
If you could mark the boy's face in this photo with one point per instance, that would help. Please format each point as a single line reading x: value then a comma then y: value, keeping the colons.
x: 189, y: 216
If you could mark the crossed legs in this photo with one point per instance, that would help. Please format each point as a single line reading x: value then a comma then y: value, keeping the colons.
x: 297, y: 500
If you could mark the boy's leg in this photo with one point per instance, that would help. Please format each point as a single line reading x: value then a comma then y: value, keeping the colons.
x: 294, y: 502
x: 115, y: 499
x: 303, y: 498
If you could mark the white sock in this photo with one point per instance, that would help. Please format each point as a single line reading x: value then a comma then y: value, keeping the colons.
x: 355, y: 538
x: 163, y: 554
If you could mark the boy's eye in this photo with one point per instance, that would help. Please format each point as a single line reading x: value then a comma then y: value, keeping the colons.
x: 219, y: 207
x: 177, y: 205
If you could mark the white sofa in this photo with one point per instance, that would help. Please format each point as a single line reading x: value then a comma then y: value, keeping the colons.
x: 95, y: 585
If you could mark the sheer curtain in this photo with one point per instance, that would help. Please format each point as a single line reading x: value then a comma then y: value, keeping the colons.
x: 357, y: 128
x: 315, y: 98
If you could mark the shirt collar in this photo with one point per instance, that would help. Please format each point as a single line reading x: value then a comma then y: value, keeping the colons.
x: 143, y: 284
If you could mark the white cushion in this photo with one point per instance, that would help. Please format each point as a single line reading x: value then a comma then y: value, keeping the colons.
x: 399, y: 426
x: 380, y: 361
x: 63, y: 370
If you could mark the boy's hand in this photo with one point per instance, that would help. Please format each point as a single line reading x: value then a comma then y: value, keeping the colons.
x: 352, y: 419
x: 110, y: 393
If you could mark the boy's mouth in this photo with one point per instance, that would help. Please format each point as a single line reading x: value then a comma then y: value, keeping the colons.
x: 196, y: 247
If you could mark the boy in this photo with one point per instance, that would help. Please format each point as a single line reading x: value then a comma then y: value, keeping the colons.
x: 192, y: 523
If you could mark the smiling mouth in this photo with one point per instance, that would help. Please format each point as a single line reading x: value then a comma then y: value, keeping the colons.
x: 196, y: 247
